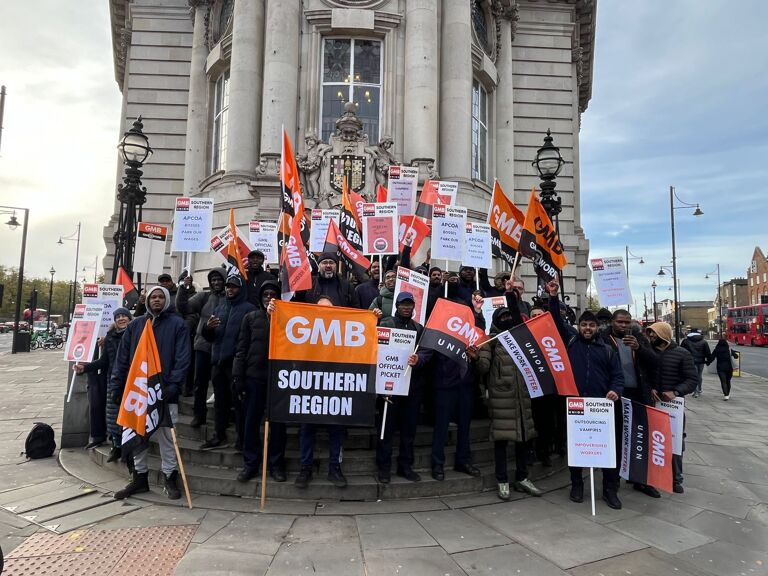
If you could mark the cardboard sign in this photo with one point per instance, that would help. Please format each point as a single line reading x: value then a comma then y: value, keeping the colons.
x: 380, y: 229
x: 402, y: 188
x: 418, y: 285
x: 676, y: 411
x: 263, y: 236
x: 83, y: 333
x: 318, y: 230
x: 393, y: 375
x: 192, y: 223
x: 591, y: 432
x: 448, y: 232
x: 149, y: 252
x: 110, y: 296
x: 611, y: 281
x: 220, y: 242
x: 490, y: 305
x: 477, y: 246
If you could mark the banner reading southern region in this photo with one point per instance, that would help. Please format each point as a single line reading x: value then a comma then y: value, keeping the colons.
x: 335, y: 243
x: 263, y: 236
x: 110, y: 296
x: 448, y: 230
x: 540, y: 242
x: 192, y: 221
x: 506, y: 222
x: 450, y: 330
x: 591, y: 432
x: 143, y: 408
x: 418, y: 285
x: 477, y: 246
x: 149, y: 252
x: 393, y: 375
x: 380, y: 229
x: 542, y: 358
x: 322, y: 367
x: 321, y: 219
x: 402, y: 188
x: 83, y: 333
x: 646, y: 447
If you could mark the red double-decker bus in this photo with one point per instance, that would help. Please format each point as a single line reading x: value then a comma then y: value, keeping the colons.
x: 746, y: 325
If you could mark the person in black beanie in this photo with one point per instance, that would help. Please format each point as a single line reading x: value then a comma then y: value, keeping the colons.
x: 328, y: 283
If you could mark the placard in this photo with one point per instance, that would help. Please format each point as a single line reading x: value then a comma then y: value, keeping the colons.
x: 448, y: 232
x: 83, y: 333
x: 611, y: 281
x: 221, y: 240
x: 110, y: 296
x: 447, y: 191
x: 477, y: 246
x: 380, y: 229
x: 490, y: 305
x: 676, y: 411
x: 149, y: 252
x: 402, y: 188
x: 192, y: 223
x: 393, y: 375
x: 263, y: 236
x: 319, y: 227
x: 591, y: 432
x: 418, y: 285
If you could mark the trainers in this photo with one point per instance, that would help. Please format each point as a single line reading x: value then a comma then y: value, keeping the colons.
x: 138, y: 484
x: 727, y: 397
x: 528, y: 487
x: 209, y: 402
x: 304, y: 477
x: 336, y: 477
x: 503, y: 490
x: 647, y: 490
x: 577, y: 493
x: 170, y: 486
x: 214, y: 442
x: 247, y: 474
x: 678, y: 489
x: 383, y: 476
x: 408, y: 474
x: 612, y: 499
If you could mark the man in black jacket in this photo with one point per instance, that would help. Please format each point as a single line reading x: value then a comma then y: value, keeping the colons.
x: 256, y: 276
x: 369, y: 289
x: 675, y: 376
x: 699, y: 349
x: 328, y: 283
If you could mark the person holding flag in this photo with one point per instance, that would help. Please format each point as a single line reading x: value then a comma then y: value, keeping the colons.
x: 154, y: 352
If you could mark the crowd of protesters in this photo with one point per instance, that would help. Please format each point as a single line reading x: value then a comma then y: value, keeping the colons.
x: 220, y: 336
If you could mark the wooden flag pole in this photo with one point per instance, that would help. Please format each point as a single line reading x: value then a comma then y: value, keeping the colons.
x: 181, y: 467
x: 264, y: 456
x: 514, y: 265
x: 491, y: 339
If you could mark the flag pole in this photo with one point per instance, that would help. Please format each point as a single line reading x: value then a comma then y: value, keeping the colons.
x: 384, y: 418
x: 514, y: 265
x: 264, y: 455
x: 592, y: 488
x: 492, y: 339
x: 181, y: 467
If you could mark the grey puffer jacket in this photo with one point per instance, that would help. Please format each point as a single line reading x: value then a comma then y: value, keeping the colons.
x: 697, y: 346
x: 509, y: 404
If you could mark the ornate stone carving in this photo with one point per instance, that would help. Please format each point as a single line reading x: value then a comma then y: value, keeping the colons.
x: 382, y: 159
x: 310, y: 164
x: 577, y: 57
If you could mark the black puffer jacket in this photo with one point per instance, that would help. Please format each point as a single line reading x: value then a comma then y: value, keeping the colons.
x: 252, y: 354
x: 675, y: 371
x: 722, y: 354
x: 105, y: 363
x: 697, y: 346
x: 199, y: 308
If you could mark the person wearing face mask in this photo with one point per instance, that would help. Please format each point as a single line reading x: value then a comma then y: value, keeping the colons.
x: 328, y: 284
x: 383, y: 302
x: 597, y: 372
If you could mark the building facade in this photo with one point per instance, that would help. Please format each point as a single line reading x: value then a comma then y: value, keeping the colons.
x: 463, y: 89
x: 757, y: 278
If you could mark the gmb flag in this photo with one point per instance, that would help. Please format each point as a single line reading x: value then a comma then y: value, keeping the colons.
x: 322, y: 365
x: 450, y: 330
x: 143, y: 408
x: 646, y: 447
x: 540, y: 242
x: 539, y: 353
x: 506, y: 222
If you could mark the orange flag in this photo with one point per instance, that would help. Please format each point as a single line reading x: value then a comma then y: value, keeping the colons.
x: 381, y: 193
x: 234, y: 255
x: 507, y: 222
x: 540, y: 242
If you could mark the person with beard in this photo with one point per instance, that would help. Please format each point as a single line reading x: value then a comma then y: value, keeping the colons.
x: 382, y: 305
x: 368, y: 290
x: 435, y: 289
x: 327, y: 283
x: 509, y: 405
x: 403, y: 412
x: 256, y: 276
x: 165, y: 281
x: 597, y: 372
x: 604, y: 319
x: 250, y: 371
x: 198, y: 310
x: 222, y: 330
x: 675, y: 376
x: 722, y: 355
x: 699, y: 349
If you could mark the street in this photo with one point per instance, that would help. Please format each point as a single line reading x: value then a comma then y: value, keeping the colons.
x: 753, y: 360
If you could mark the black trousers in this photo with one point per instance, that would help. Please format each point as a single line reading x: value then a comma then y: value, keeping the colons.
x: 725, y: 381
x: 403, y: 417
x: 254, y: 406
x: 545, y: 414
x: 222, y: 387
x: 202, y: 377
x: 97, y: 406
x: 452, y: 404
x: 500, y: 459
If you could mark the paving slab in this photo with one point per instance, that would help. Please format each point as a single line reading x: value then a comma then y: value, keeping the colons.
x: 723, y: 503
x: 154, y: 515
x: 212, y: 522
x: 648, y: 562
x: 431, y: 561
x: 721, y: 486
x: 42, y: 515
x: 327, y: 530
x: 727, y: 559
x: 341, y: 559
x: 456, y: 531
x: 63, y: 494
x: 508, y: 559
x: 251, y: 532
x: 474, y: 500
x: 759, y: 514
x: 664, y: 508
x: 31, y: 490
x: 660, y: 534
x: 381, y: 532
x: 380, y: 507
x: 603, y: 514
x: 746, y: 533
x: 203, y: 561
x: 91, y: 516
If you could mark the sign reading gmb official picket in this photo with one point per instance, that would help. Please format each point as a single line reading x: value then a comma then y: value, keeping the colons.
x: 322, y: 365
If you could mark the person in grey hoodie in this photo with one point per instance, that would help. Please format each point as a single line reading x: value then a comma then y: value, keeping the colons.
x: 699, y: 349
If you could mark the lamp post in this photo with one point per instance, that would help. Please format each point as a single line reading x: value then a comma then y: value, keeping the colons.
x: 675, y: 289
x: 719, y: 301
x: 74, y: 237
x: 13, y: 223
x: 50, y: 299
x: 95, y: 269
x: 653, y: 285
x: 629, y: 256
x: 697, y: 212
x: 134, y: 151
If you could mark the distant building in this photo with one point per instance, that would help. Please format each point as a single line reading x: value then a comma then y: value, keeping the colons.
x: 757, y: 277
x: 734, y: 293
x: 693, y: 314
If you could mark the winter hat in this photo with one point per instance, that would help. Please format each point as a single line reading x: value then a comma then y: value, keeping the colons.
x: 405, y: 296
x: 604, y: 315
x: 662, y: 330
x: 328, y: 256
x: 121, y: 312
x: 435, y: 268
x: 588, y: 316
x: 256, y: 253
x: 234, y: 280
x: 164, y: 278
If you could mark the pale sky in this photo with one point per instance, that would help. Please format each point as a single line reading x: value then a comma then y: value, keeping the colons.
x: 679, y: 92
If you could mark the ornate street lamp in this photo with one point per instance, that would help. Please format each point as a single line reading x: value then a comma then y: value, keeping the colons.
x: 13, y: 223
x: 653, y: 285
x: 549, y: 162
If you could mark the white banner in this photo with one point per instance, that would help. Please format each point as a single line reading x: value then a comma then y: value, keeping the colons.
x: 83, y: 333
x: 110, y: 296
x: 192, y: 223
x: 402, y: 188
x: 447, y: 191
x: 418, y: 285
x: 611, y: 281
x: 380, y: 229
x: 591, y: 432
x: 393, y: 375
x: 220, y: 242
x: 149, y: 252
x: 321, y: 219
x: 676, y: 411
x: 448, y: 232
x: 263, y: 236
x: 477, y: 246
x: 490, y: 305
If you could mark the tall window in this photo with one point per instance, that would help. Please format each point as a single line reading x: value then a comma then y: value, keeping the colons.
x: 220, y: 120
x: 351, y: 72
x: 479, y: 132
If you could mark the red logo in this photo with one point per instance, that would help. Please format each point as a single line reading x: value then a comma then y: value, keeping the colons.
x: 182, y: 204
x: 576, y: 406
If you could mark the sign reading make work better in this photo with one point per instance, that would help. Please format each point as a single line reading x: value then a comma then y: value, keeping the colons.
x: 322, y: 365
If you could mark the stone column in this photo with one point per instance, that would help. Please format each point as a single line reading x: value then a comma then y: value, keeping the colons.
x: 245, y: 81
x: 197, y: 114
x: 281, y: 79
x: 505, y: 133
x: 421, y: 66
x: 455, y: 160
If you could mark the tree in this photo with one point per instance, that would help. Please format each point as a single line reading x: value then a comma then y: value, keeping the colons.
x: 62, y: 293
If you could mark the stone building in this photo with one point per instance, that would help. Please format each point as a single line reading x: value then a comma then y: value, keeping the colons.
x: 463, y: 89
x: 757, y: 278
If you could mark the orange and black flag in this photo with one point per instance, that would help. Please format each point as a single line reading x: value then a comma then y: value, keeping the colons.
x: 235, y: 264
x: 507, y: 222
x: 292, y: 200
x: 336, y: 243
x: 130, y: 294
x: 540, y: 241
x: 450, y: 329
x: 646, y: 446
x: 143, y: 408
x: 295, y: 269
x: 351, y: 225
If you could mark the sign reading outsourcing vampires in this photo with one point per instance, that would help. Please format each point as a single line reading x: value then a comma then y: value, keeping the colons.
x: 322, y: 366
x: 402, y: 188
x: 591, y: 433
x: 192, y: 222
x: 380, y: 229
x: 448, y: 230
x: 611, y: 281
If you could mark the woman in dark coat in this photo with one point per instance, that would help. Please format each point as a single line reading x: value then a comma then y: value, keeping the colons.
x: 105, y: 363
x: 722, y: 354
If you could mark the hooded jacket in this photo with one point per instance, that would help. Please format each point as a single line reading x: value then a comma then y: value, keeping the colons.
x: 252, y: 353
x: 173, y: 347
x: 697, y: 346
x: 256, y: 277
x: 384, y: 301
x: 722, y: 354
x: 224, y: 337
x: 106, y: 363
x: 199, y: 308
x: 367, y: 292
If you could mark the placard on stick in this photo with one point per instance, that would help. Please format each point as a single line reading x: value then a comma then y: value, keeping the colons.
x: 380, y: 229
x: 591, y: 432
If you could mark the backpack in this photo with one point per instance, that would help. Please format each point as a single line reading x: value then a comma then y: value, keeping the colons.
x: 40, y: 442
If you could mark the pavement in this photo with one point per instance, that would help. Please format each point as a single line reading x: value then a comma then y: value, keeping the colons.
x: 54, y: 522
